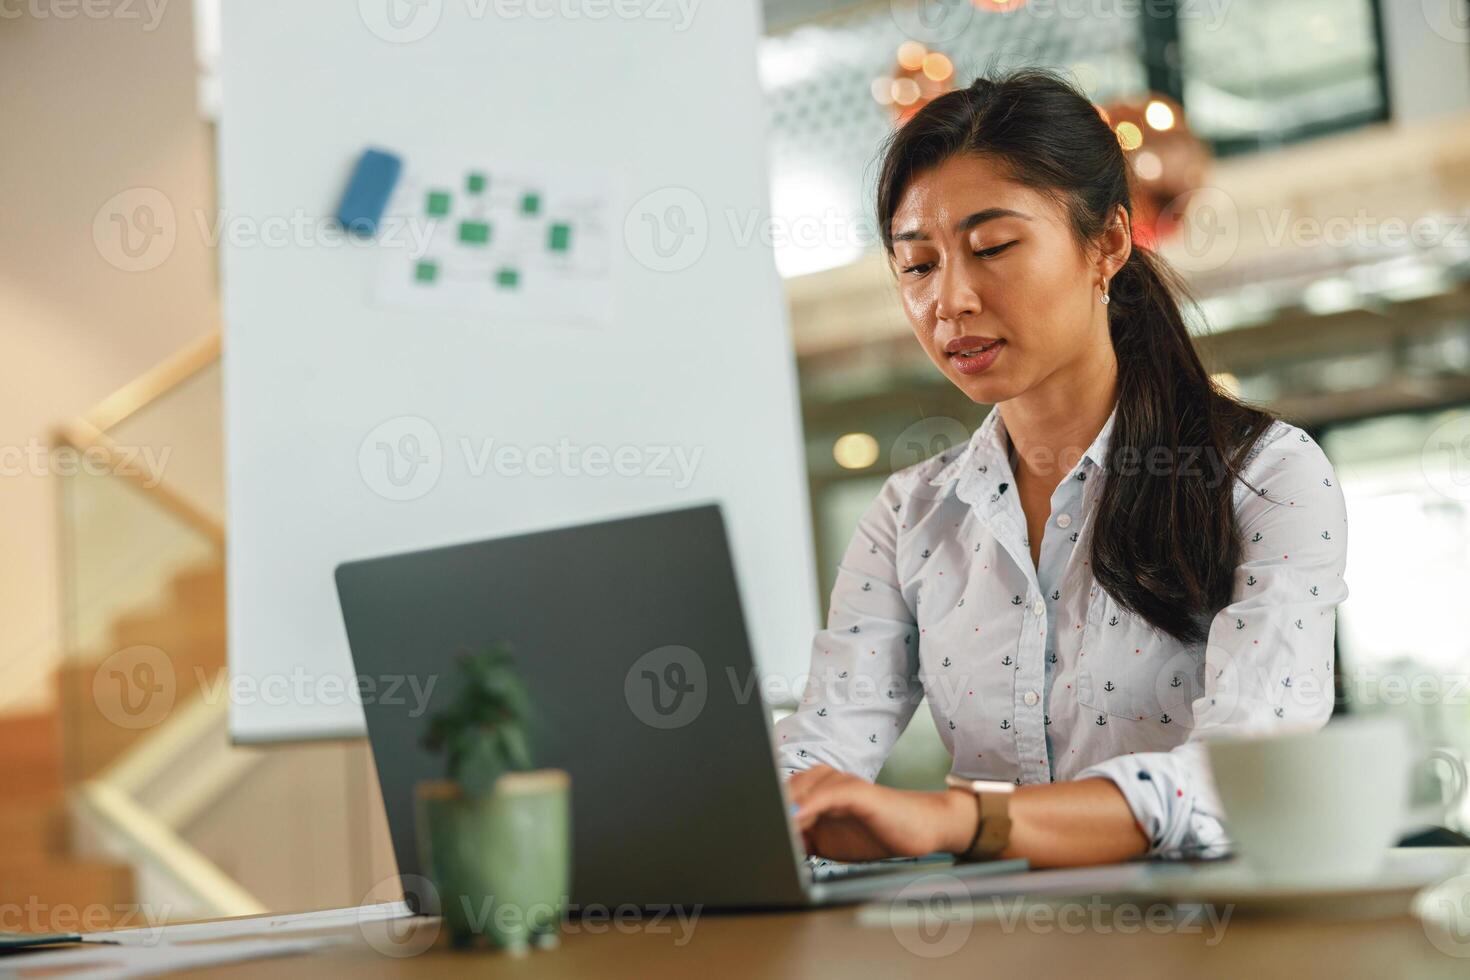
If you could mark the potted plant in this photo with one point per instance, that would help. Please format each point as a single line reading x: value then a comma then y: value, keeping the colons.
x: 495, y: 835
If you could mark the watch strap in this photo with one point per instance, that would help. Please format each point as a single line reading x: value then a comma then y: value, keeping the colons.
x: 993, y: 826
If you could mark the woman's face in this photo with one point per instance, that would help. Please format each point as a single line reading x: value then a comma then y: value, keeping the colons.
x: 997, y: 290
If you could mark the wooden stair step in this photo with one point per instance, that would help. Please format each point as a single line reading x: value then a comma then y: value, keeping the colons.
x: 29, y: 736
x: 96, y: 739
x: 98, y: 726
x: 31, y: 754
x: 189, y: 671
x: 187, y: 633
x: 105, y: 715
x: 34, y: 826
x: 200, y: 587
x: 65, y: 894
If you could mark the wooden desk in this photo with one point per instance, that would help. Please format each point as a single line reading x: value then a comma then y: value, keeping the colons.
x: 1370, y: 935
x: 831, y: 943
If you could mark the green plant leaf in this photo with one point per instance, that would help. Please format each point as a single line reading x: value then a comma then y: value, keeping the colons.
x: 517, y: 750
x: 482, y: 731
x: 480, y: 765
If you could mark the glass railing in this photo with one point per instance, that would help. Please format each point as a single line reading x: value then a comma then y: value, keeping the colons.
x: 144, y: 686
x: 142, y: 561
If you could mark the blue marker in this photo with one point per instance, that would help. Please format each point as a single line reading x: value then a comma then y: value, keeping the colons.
x: 368, y: 191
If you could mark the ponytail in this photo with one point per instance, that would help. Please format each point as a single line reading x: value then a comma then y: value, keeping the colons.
x: 1165, y: 543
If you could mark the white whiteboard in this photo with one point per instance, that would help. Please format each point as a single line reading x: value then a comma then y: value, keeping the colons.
x: 692, y: 353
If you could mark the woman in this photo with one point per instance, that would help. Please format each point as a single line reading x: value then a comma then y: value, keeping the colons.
x: 1123, y: 559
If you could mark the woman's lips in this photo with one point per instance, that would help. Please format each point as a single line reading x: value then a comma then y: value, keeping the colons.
x: 967, y: 342
x: 972, y: 355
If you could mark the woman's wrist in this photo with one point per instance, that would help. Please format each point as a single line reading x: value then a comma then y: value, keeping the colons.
x: 960, y: 819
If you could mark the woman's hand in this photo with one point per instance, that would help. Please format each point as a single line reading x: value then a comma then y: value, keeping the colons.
x: 846, y: 818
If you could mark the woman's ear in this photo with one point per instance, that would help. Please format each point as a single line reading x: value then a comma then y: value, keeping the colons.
x: 1116, y: 243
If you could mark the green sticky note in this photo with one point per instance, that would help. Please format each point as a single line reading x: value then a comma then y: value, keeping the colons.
x: 508, y: 278
x: 530, y: 203
x: 474, y: 232
x: 559, y: 239
x: 438, y: 204
x: 475, y: 183
x: 426, y: 272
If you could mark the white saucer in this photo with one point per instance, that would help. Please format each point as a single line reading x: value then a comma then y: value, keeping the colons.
x: 1405, y: 872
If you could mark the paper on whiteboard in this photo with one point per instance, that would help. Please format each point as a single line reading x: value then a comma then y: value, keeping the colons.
x: 525, y: 243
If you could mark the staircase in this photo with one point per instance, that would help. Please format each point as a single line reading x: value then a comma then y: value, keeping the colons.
x: 179, y: 643
x: 43, y: 887
x: 128, y: 803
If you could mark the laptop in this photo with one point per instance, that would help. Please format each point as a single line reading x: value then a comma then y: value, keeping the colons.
x: 629, y: 637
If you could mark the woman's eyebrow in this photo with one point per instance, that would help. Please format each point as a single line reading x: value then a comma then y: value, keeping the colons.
x: 964, y: 224
x: 989, y: 214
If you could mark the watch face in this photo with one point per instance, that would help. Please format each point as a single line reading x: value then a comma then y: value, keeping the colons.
x: 979, y: 785
x: 992, y: 786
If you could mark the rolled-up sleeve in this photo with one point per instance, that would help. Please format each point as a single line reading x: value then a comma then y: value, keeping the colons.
x: 1268, y: 659
x: 862, y: 686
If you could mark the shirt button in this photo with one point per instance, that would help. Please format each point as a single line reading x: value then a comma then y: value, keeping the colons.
x: 1038, y: 607
x: 1064, y: 520
x: 1031, y: 698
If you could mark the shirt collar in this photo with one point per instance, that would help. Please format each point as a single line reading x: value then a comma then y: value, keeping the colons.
x: 988, y: 450
x: 1098, y: 451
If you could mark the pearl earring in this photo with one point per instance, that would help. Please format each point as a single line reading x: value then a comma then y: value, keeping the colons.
x: 1105, y: 294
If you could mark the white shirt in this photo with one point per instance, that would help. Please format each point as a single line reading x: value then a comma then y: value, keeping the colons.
x: 1033, y: 673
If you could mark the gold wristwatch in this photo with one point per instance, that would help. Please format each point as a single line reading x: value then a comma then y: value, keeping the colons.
x: 993, y: 829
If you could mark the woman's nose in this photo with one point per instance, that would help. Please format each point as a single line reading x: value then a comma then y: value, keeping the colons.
x: 957, y: 297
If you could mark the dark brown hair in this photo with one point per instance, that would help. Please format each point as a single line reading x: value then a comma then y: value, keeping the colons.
x: 1164, y: 543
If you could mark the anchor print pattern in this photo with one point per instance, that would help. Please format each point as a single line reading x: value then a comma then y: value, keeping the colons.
x: 1033, y: 672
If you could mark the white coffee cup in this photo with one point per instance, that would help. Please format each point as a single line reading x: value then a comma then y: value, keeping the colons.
x: 1324, y: 806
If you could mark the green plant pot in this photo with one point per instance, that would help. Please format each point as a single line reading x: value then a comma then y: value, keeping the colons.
x: 501, y: 863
